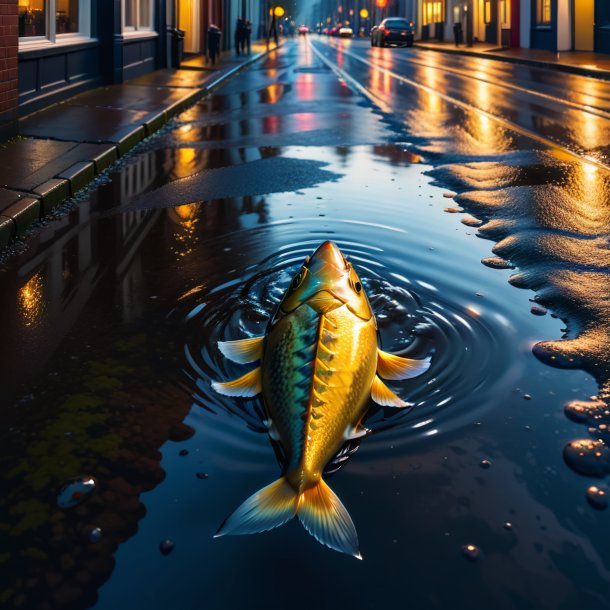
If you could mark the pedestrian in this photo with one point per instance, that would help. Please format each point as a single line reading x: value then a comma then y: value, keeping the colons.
x: 239, y: 36
x: 247, y: 36
x: 213, y: 42
x: 273, y: 31
x: 457, y: 33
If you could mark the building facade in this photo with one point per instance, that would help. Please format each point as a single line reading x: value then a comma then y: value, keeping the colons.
x: 52, y: 49
x: 552, y: 25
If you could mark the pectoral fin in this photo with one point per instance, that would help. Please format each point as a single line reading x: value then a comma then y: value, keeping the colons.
x: 390, y: 366
x: 383, y: 396
x: 354, y: 432
x: 242, y: 351
x: 248, y: 385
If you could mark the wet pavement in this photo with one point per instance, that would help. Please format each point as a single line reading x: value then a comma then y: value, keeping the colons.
x: 112, y: 313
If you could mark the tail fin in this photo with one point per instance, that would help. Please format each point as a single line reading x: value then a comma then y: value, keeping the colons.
x: 269, y: 507
x: 327, y: 520
x: 318, y: 508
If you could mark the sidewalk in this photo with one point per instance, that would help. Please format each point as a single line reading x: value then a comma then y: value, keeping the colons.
x: 596, y: 65
x: 62, y: 148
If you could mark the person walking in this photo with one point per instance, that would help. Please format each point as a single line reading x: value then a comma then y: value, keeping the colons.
x: 247, y: 36
x: 239, y: 36
x: 214, y: 34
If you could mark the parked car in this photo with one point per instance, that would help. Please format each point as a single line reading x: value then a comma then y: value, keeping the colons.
x: 346, y: 32
x: 395, y: 31
x: 334, y: 31
x: 303, y: 29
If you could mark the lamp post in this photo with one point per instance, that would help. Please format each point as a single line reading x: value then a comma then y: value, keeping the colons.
x: 364, y: 15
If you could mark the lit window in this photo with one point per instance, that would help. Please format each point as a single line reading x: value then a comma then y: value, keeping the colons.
x: 487, y: 15
x: 68, y: 18
x: 137, y: 15
x: 433, y: 11
x: 543, y: 12
x: 505, y: 13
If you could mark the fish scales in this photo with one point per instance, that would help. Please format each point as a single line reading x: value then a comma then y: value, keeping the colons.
x: 319, y: 364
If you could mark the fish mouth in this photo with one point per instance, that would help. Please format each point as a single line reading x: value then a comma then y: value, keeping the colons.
x: 324, y: 301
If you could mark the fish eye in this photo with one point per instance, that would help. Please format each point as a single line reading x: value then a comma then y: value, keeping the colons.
x: 358, y: 287
x: 298, y: 279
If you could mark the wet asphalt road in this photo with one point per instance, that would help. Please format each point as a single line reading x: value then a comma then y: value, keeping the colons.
x: 112, y: 313
x: 566, y: 110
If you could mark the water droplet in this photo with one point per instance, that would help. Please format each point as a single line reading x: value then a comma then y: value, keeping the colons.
x: 166, y: 547
x: 202, y: 475
x: 527, y: 397
x: 76, y: 491
x: 588, y: 457
x: 183, y: 452
x: 597, y: 496
x: 485, y: 464
x: 94, y: 534
x: 508, y: 526
x: 470, y: 551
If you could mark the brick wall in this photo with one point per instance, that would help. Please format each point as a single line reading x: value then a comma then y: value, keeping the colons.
x: 9, y: 42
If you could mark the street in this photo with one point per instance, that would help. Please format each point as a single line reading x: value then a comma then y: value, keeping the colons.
x: 421, y: 166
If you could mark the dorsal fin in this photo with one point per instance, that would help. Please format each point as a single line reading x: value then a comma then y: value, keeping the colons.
x: 243, y: 350
x: 391, y: 366
x: 383, y: 396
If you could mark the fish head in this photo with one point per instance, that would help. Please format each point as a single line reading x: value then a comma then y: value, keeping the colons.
x: 326, y: 281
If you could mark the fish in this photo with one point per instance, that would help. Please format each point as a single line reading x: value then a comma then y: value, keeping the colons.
x: 318, y: 365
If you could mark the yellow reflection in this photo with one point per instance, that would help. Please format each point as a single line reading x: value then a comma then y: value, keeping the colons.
x: 187, y: 218
x: 31, y: 299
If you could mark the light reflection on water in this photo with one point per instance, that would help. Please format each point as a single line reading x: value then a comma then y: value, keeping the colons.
x: 144, y: 348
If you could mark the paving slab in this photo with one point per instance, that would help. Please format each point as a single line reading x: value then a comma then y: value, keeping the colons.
x: 7, y: 230
x: 26, y: 164
x: 52, y: 193
x: 83, y: 124
x: 24, y: 213
x: 78, y: 175
x: 183, y: 79
x: 127, y: 97
x: 8, y: 197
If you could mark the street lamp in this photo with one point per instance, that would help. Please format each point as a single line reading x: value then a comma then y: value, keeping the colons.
x: 364, y: 15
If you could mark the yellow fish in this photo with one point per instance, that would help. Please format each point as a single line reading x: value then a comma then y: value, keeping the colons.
x: 319, y: 365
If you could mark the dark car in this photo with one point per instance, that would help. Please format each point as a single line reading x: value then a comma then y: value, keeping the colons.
x: 393, y: 31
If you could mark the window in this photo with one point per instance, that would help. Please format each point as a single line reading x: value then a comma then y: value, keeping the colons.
x: 137, y: 15
x: 543, y: 12
x: 505, y: 13
x: 433, y: 11
x: 53, y: 20
x: 487, y: 12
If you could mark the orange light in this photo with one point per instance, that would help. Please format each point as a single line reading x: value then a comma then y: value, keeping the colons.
x: 382, y: 3
x: 278, y: 11
x: 364, y: 14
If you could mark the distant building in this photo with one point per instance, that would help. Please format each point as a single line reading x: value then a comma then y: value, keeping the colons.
x: 553, y: 25
x: 52, y: 49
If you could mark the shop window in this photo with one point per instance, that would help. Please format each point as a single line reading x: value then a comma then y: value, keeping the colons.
x: 543, y: 12
x: 433, y: 11
x: 44, y: 21
x: 487, y: 12
x: 137, y: 15
x: 505, y: 13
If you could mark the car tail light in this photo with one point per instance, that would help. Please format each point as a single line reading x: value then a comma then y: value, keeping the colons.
x: 385, y: 31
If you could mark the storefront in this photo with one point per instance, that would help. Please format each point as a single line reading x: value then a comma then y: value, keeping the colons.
x: 67, y: 46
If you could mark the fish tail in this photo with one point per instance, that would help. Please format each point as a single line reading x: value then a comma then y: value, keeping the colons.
x: 268, y: 508
x: 327, y: 520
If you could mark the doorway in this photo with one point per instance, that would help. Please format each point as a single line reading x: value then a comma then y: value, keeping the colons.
x: 583, y: 25
x: 188, y: 21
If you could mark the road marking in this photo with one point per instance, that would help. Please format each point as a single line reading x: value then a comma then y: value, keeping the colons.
x: 451, y: 100
x: 593, y: 110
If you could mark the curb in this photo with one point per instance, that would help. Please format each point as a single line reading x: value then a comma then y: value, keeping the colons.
x: 28, y: 207
x: 545, y: 65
